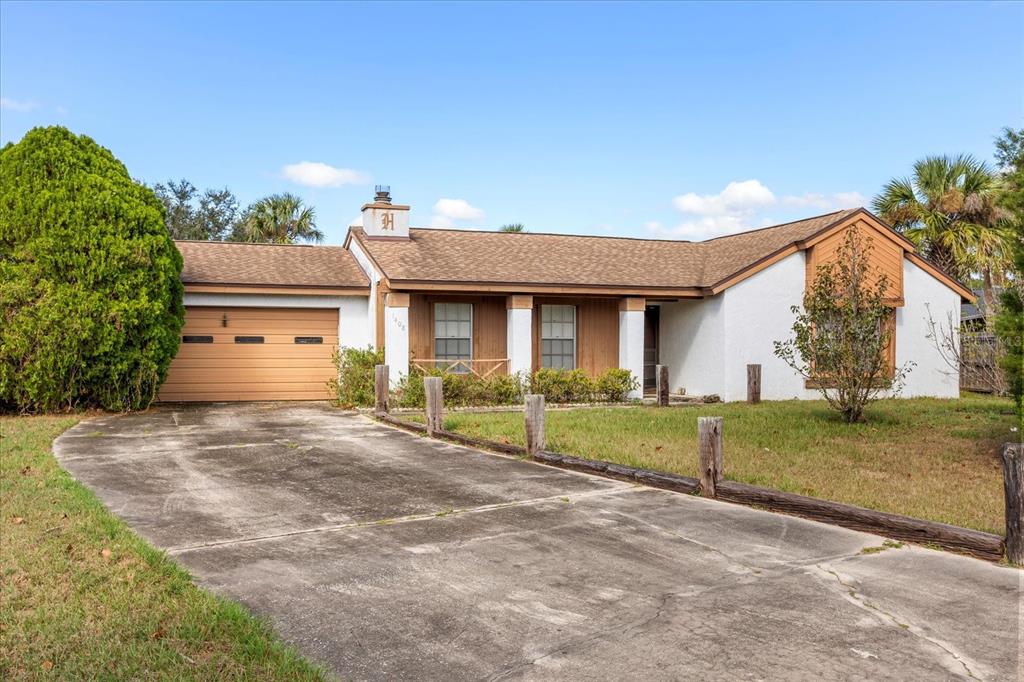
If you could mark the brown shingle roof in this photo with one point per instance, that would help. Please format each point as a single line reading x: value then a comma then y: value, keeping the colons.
x: 269, y: 265
x: 554, y: 259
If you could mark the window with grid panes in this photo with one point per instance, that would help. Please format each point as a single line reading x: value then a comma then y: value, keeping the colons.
x: 558, y: 336
x: 453, y: 333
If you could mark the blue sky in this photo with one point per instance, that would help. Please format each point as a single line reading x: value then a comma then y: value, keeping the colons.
x: 673, y: 120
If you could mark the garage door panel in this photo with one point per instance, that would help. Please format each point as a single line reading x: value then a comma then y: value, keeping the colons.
x: 219, y: 395
x: 277, y: 369
x: 262, y: 327
x: 195, y: 375
x: 258, y: 354
x: 241, y: 363
x: 287, y: 339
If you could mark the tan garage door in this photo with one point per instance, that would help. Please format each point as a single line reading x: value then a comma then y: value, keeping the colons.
x: 253, y: 354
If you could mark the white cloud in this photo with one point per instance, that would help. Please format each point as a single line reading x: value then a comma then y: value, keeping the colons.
x: 831, y: 202
x: 316, y: 174
x: 738, y: 207
x: 447, y: 211
x: 16, y: 105
x: 737, y: 197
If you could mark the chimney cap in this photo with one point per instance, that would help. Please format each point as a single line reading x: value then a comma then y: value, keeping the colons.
x: 382, y: 194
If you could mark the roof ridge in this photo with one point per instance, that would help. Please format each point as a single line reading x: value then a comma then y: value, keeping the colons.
x: 554, y: 234
x: 229, y: 243
x: 640, y: 239
x: 772, y: 227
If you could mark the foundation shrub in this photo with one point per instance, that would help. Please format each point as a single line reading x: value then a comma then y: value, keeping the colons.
x: 461, y: 390
x: 353, y: 385
x: 615, y: 384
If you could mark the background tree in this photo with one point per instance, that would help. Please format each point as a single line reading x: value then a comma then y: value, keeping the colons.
x: 191, y: 215
x: 1009, y: 324
x: 842, y: 332
x: 278, y: 219
x: 949, y: 209
x: 512, y: 227
x: 90, y: 288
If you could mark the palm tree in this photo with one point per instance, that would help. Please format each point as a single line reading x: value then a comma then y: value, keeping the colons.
x: 949, y: 210
x: 279, y: 219
x: 512, y: 227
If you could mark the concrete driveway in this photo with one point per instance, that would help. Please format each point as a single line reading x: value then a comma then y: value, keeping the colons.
x: 383, y: 554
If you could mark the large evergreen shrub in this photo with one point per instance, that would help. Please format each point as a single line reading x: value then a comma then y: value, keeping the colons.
x: 90, y: 289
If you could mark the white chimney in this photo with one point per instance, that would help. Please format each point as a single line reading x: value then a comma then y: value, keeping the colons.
x: 384, y: 219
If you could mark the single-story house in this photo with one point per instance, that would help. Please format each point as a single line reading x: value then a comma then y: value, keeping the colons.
x: 263, y: 320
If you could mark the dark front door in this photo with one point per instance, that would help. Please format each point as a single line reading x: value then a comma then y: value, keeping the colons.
x: 650, y: 345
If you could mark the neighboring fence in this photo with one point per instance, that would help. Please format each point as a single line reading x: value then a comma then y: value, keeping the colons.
x: 979, y: 363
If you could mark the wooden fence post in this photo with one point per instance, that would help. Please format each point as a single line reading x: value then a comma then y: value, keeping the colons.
x: 534, y: 424
x: 661, y: 385
x: 753, y: 383
x: 1013, y: 488
x: 380, y: 388
x: 709, y: 432
x: 433, y: 388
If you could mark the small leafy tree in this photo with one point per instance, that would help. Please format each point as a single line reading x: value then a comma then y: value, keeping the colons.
x: 842, y: 332
x: 190, y: 215
x: 512, y: 227
x: 90, y: 291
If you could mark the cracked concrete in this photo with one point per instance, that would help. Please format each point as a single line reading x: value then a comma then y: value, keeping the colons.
x: 382, y: 554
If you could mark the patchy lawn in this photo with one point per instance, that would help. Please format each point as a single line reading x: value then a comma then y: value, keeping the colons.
x: 82, y: 597
x: 928, y: 458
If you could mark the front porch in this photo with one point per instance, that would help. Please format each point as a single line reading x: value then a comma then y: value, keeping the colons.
x: 487, y: 334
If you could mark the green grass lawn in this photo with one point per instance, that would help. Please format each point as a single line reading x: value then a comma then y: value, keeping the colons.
x: 928, y: 458
x: 82, y: 597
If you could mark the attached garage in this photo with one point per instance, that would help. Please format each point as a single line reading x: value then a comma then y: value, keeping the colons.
x: 262, y: 321
x: 253, y: 354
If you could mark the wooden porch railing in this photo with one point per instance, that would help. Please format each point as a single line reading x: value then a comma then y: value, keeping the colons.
x: 449, y: 366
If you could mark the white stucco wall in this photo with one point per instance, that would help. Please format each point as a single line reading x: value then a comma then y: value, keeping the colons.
x: 930, y: 376
x: 631, y: 347
x: 371, y: 303
x: 519, y: 339
x: 757, y: 313
x: 396, y: 343
x: 691, y: 343
x: 708, y: 344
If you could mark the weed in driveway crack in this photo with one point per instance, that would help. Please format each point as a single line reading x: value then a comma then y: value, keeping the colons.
x: 888, y: 544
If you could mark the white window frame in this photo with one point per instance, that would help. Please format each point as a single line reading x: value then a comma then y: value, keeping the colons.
x: 558, y: 338
x: 460, y: 369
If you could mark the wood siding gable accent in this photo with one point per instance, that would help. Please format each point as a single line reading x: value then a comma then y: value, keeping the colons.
x: 886, y: 255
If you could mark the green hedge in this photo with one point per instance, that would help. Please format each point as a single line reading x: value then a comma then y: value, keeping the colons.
x: 90, y: 288
x: 556, y: 385
x: 354, y: 385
